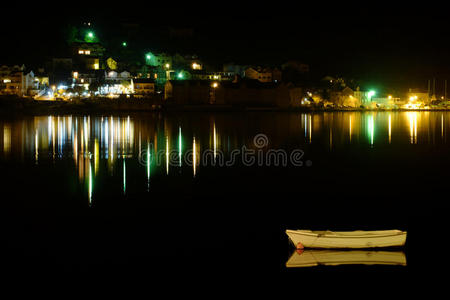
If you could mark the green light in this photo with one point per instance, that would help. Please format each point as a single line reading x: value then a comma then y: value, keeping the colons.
x: 90, y: 183
x: 371, y: 129
x: 371, y: 94
x: 180, y: 75
x: 150, y: 59
x: 90, y: 34
x: 124, y: 44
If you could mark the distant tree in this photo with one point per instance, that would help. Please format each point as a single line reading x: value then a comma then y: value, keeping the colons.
x: 79, y: 89
x: 94, y: 86
x: 71, y: 34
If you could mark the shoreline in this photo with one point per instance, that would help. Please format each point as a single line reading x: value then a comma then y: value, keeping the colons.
x: 9, y: 105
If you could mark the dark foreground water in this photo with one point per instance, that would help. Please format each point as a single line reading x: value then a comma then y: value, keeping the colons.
x: 196, y: 201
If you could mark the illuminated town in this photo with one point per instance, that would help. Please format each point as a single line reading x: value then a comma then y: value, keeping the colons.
x: 91, y: 71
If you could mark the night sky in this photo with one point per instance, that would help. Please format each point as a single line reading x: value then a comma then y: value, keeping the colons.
x: 379, y: 43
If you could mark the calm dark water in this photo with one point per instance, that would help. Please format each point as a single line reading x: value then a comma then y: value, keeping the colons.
x: 171, y: 196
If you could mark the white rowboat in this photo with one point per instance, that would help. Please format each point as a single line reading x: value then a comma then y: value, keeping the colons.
x: 346, y: 239
x: 311, y: 258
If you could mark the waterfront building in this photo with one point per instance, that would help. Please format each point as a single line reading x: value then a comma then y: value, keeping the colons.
x: 143, y: 87
x: 211, y: 75
x: 362, y: 97
x: 416, y: 98
x: 16, y: 80
x: 263, y: 74
x: 116, y: 83
x: 235, y: 69
x: 88, y: 56
x: 344, y: 96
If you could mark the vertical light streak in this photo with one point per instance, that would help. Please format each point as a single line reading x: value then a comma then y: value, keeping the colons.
x: 180, y: 145
x: 82, y: 141
x: 96, y: 156
x: 350, y: 129
x: 86, y: 132
x: 310, y: 129
x: 106, y: 133
x: 75, y: 148
x: 194, y: 157
x: 167, y: 155
x: 60, y: 136
x: 112, y: 141
x: 129, y: 133
x: 53, y: 137
x: 371, y: 129
x: 49, y: 129
x: 413, y: 127
x: 148, y: 165
x: 306, y: 126
x: 215, y: 141
x: 123, y: 138
x: 6, y: 139
x: 36, y: 146
x: 390, y: 128
x: 90, y: 183
x: 331, y: 137
x: 140, y: 144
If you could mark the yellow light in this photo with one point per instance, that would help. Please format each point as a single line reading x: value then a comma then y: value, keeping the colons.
x: 75, y: 75
x: 96, y: 66
x: 215, y: 85
x: 80, y: 51
x: 390, y: 97
x: 167, y: 66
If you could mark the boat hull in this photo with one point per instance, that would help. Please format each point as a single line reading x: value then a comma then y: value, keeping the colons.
x: 351, y: 240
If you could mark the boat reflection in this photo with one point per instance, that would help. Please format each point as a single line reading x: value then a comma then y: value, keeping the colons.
x: 311, y: 258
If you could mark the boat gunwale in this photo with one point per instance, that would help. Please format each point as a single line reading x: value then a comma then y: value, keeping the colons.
x: 312, y: 234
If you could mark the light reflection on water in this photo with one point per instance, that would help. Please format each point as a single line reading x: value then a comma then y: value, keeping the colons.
x: 92, y: 142
x: 111, y: 138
